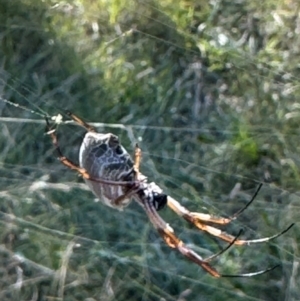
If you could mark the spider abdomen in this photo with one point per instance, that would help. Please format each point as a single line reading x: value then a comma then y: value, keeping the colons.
x: 103, y: 157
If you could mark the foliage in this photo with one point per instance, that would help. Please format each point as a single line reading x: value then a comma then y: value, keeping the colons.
x: 210, y: 88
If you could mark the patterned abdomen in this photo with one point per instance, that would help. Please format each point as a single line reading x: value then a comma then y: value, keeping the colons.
x: 104, y: 158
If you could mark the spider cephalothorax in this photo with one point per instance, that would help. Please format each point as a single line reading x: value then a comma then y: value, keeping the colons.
x: 160, y: 200
x: 115, y: 179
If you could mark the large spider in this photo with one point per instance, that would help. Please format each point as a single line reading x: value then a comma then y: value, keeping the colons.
x: 115, y: 179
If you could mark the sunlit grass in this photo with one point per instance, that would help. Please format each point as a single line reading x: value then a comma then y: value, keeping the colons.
x: 214, y: 89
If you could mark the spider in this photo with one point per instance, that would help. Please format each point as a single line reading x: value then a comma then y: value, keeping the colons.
x: 115, y: 179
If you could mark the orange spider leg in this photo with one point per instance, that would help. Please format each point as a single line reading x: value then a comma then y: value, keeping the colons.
x: 174, y: 242
x: 137, y: 160
x: 200, y: 219
x: 180, y: 210
x: 88, y: 127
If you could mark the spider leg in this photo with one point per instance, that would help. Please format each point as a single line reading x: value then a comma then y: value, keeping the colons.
x: 252, y: 274
x: 199, y: 220
x: 174, y: 242
x: 78, y: 120
x: 212, y: 257
x: 126, y: 195
x: 137, y: 160
x: 180, y: 210
x: 68, y: 163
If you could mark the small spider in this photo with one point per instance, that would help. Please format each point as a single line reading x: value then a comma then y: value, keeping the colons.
x: 115, y: 179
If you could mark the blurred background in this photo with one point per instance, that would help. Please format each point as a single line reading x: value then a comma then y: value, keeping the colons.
x: 209, y: 89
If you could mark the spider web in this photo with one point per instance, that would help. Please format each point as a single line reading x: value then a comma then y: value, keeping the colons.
x: 215, y: 113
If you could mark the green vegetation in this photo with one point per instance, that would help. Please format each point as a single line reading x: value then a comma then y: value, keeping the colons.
x: 209, y: 88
